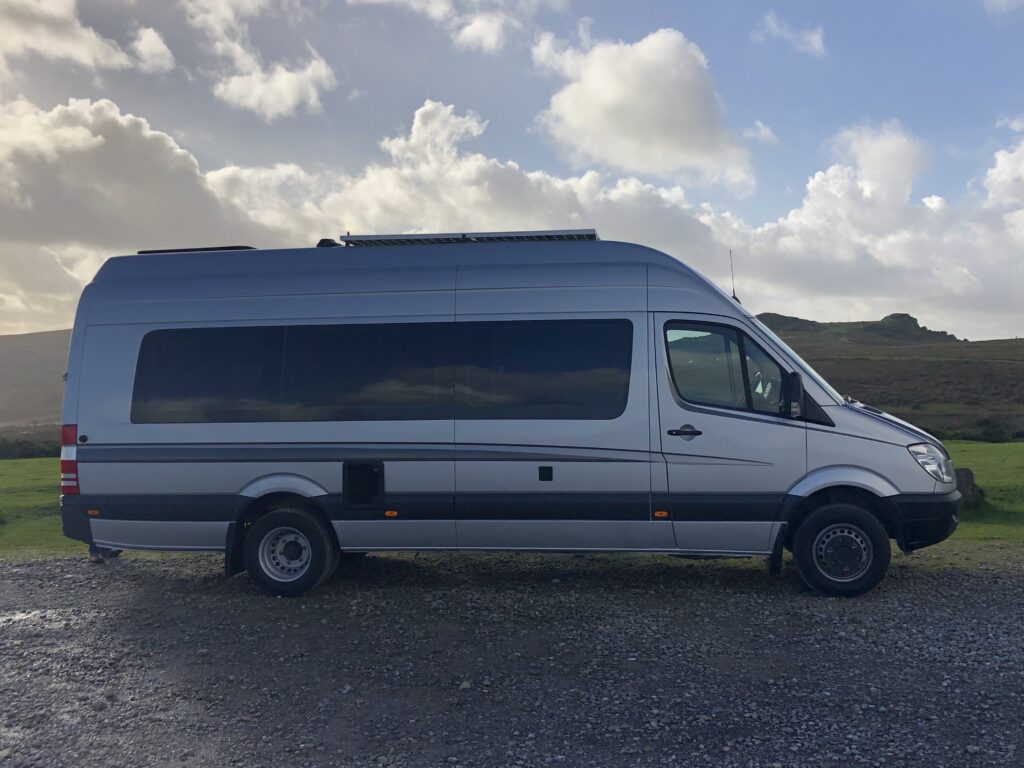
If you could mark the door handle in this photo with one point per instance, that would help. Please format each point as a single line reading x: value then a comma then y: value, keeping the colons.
x: 687, y: 430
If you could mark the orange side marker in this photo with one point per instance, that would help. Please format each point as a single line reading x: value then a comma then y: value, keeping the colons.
x: 661, y: 514
x: 93, y: 512
x: 391, y: 513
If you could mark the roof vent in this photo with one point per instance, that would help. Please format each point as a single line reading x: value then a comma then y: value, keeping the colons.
x: 326, y: 242
x: 365, y: 241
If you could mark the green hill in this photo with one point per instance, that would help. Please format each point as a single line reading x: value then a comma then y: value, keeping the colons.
x: 955, y: 388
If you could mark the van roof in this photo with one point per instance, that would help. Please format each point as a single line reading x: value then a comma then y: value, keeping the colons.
x: 620, y: 274
x: 567, y: 247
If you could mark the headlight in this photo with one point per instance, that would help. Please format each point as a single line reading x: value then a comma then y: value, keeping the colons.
x: 933, y: 461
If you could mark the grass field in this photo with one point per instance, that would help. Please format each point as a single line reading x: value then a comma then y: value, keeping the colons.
x: 31, y: 520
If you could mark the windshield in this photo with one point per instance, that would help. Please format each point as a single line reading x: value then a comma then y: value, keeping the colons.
x: 797, y: 359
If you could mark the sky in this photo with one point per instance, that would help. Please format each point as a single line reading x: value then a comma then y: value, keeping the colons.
x: 858, y: 159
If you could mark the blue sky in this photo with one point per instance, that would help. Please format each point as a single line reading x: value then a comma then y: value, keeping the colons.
x: 850, y: 154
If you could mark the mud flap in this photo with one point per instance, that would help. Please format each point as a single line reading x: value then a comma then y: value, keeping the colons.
x: 232, y: 553
x: 775, y: 558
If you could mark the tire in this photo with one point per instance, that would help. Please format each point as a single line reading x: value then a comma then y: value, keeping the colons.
x: 288, y: 552
x: 841, y: 550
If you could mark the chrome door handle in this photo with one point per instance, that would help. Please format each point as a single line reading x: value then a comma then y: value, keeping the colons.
x: 687, y: 430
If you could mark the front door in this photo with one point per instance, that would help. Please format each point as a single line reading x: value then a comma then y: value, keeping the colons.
x: 730, y: 454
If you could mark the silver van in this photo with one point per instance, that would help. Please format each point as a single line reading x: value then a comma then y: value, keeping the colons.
x: 542, y: 391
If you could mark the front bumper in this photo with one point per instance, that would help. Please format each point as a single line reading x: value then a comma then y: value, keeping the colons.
x: 925, y: 518
x: 75, y: 523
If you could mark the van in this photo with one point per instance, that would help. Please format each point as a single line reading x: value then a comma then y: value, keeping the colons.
x: 537, y: 391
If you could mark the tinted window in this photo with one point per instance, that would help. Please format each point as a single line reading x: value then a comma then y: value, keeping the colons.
x: 208, y: 374
x: 398, y: 371
x: 544, y: 369
x: 717, y: 365
x: 564, y: 369
x: 706, y: 364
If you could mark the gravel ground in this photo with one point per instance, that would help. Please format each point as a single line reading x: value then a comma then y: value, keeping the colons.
x: 504, y: 660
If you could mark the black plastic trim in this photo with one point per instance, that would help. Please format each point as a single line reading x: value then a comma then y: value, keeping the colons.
x: 73, y: 520
x: 734, y: 507
x: 925, y: 518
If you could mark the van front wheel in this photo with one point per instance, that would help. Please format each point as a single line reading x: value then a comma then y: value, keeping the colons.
x: 288, y: 552
x: 841, y: 550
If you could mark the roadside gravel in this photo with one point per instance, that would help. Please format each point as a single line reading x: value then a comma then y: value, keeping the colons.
x: 508, y: 660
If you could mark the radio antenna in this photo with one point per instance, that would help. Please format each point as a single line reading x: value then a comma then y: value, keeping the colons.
x: 732, y: 272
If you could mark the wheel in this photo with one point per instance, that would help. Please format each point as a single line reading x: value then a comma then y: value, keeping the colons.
x: 841, y: 550
x: 288, y: 552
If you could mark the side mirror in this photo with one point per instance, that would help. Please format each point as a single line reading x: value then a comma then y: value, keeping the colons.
x: 793, y: 396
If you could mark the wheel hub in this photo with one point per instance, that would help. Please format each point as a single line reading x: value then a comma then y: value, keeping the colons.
x: 284, y: 554
x: 843, y: 552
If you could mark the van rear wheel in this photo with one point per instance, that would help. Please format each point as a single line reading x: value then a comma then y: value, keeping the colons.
x: 841, y: 550
x: 288, y: 552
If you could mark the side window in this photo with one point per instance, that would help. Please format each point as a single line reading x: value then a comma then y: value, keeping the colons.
x: 189, y: 375
x: 706, y: 364
x: 719, y: 366
x: 765, y: 379
x: 544, y: 369
x: 361, y: 372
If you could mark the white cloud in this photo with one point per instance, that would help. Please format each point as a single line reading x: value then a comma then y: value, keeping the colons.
x: 646, y: 107
x: 152, y: 52
x: 1015, y: 124
x: 1004, y: 181
x: 273, y: 92
x: 83, y: 181
x: 278, y: 91
x: 52, y: 29
x: 477, y: 24
x: 1003, y: 6
x: 858, y: 246
x: 810, y: 41
x: 887, y: 159
x: 761, y: 132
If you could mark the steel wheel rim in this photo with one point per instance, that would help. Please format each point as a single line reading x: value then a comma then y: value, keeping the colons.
x: 285, y: 554
x: 843, y: 552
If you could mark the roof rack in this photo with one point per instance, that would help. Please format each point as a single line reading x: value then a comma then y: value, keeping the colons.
x: 366, y: 241
x: 196, y: 250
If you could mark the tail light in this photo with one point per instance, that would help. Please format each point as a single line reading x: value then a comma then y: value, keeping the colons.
x: 69, y: 460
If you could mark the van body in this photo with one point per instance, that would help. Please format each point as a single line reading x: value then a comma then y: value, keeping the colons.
x: 505, y: 391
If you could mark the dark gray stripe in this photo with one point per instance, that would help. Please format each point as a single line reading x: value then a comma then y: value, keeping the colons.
x: 181, y: 453
x: 733, y: 507
x: 410, y: 506
x: 166, y: 507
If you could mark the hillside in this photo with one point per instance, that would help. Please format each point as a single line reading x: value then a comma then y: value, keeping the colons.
x: 901, y: 329
x: 31, y: 370
x: 972, y: 389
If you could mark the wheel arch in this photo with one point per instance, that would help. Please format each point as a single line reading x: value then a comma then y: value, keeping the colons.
x: 258, y: 506
x: 798, y: 508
